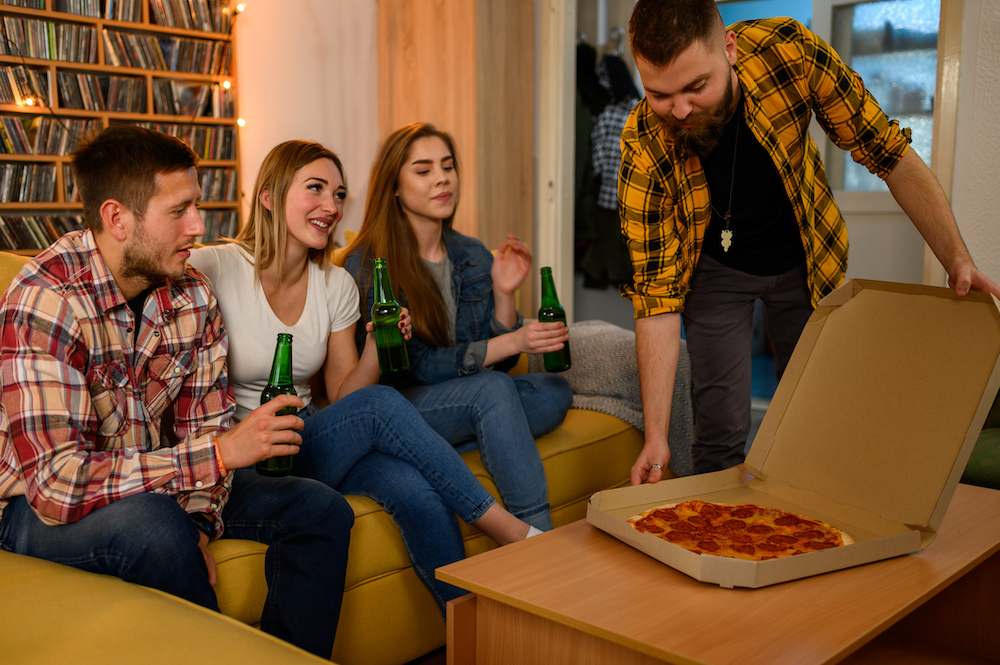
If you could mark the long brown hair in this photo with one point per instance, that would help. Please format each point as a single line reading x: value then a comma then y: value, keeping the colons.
x: 266, y: 233
x: 386, y: 233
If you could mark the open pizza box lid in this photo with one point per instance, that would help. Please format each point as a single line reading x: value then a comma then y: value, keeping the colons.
x: 869, y: 430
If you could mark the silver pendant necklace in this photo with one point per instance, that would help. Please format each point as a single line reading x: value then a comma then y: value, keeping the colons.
x: 727, y: 233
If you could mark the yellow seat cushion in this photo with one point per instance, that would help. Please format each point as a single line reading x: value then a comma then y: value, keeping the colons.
x: 58, y: 614
x: 10, y: 265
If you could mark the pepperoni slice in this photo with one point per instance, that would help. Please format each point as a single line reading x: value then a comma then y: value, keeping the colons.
x: 665, y: 514
x: 787, y: 520
x: 772, y: 547
x: 743, y: 512
x: 648, y: 528
x: 783, y: 538
x: 819, y: 544
x: 808, y: 535
x: 744, y: 549
x: 710, y: 512
x: 679, y: 536
x: 734, y: 525
x: 759, y: 529
x: 709, y: 545
x: 684, y: 526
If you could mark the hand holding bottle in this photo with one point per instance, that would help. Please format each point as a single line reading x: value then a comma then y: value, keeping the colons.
x: 540, y: 337
x: 551, y: 310
x: 262, y: 434
x: 386, y: 314
x: 405, y: 325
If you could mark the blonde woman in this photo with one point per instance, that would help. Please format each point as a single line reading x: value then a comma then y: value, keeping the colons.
x: 277, y: 278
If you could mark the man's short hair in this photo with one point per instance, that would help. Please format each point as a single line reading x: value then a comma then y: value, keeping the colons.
x: 660, y: 30
x: 121, y: 163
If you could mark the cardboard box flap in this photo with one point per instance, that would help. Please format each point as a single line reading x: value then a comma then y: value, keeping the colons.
x: 883, y: 399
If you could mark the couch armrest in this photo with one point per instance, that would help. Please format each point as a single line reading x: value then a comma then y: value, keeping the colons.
x: 52, y: 610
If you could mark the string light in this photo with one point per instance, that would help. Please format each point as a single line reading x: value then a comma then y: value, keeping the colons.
x: 226, y: 85
x: 241, y: 122
x: 240, y: 7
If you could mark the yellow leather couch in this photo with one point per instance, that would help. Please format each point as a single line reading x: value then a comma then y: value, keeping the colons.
x: 388, y: 615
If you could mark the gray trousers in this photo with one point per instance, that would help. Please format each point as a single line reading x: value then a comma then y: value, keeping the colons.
x: 718, y: 325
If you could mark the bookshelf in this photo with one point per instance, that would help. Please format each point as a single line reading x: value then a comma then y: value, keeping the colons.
x: 68, y: 67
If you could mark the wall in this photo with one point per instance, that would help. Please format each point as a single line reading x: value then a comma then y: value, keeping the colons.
x: 312, y: 73
x: 308, y: 70
x: 975, y: 194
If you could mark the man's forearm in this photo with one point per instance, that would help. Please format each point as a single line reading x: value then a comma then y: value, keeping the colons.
x: 657, y: 348
x: 918, y: 192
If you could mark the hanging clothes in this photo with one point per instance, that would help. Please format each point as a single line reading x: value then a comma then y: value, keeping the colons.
x: 591, y: 98
x: 606, y: 259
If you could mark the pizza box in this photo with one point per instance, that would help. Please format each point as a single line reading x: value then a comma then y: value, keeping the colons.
x: 869, y: 430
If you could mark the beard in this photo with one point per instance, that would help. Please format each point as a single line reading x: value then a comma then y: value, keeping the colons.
x: 144, y: 260
x: 705, y: 129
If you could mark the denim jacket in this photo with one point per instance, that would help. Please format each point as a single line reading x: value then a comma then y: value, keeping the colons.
x: 474, y: 321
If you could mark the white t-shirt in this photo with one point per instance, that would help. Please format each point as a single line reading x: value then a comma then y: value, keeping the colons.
x: 331, y: 306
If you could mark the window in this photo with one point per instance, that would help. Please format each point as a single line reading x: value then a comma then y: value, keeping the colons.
x: 892, y: 45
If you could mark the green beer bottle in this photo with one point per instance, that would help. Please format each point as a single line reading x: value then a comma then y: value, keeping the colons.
x: 392, y: 356
x: 280, y: 383
x: 551, y: 310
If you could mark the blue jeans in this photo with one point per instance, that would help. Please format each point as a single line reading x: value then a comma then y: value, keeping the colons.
x: 377, y: 418
x: 148, y: 539
x: 373, y: 443
x: 429, y: 527
x: 502, y: 414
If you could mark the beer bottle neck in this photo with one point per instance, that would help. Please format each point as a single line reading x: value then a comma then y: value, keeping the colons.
x: 281, y: 367
x: 383, y: 288
x: 549, y: 297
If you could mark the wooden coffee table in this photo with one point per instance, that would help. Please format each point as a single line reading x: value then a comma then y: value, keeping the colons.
x: 577, y: 595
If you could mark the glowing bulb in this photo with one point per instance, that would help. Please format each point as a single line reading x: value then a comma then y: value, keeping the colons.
x: 227, y: 85
x: 240, y: 7
x: 241, y: 122
x: 29, y: 101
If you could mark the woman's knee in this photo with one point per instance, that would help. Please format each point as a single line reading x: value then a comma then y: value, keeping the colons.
x: 545, y: 397
x: 557, y: 390
x: 492, y: 388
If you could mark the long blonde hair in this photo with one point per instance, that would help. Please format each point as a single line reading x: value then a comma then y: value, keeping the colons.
x: 386, y: 233
x: 265, y: 235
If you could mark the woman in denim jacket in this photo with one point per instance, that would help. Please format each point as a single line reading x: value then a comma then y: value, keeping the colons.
x: 467, y: 331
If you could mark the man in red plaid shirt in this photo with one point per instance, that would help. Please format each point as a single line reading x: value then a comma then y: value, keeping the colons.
x: 118, y: 451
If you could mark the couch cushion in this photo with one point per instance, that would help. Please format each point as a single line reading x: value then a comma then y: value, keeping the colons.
x: 10, y: 265
x: 237, y: 563
x: 240, y: 560
x: 58, y: 614
x: 382, y: 590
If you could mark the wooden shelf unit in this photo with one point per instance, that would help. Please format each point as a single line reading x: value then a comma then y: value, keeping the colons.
x: 221, y: 134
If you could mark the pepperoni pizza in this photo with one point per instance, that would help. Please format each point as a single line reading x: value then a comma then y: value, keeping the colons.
x: 744, y: 531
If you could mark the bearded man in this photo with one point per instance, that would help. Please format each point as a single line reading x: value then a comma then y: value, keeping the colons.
x: 723, y: 200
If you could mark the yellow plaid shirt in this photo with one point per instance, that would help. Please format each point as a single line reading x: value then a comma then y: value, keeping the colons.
x: 787, y: 74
